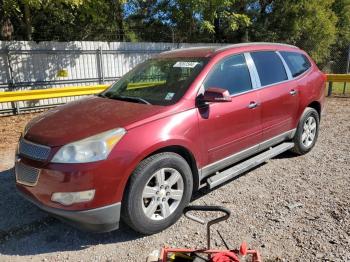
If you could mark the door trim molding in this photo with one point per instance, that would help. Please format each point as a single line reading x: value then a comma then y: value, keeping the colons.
x: 232, y: 159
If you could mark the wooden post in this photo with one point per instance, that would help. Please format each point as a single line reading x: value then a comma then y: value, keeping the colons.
x: 347, y: 70
x: 330, y: 88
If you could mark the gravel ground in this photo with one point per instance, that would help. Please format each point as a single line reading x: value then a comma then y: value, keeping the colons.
x: 290, y: 209
x: 10, y: 130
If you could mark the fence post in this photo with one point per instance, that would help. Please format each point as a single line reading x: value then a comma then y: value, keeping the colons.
x: 15, y: 105
x: 100, y: 65
x: 9, y: 68
x: 347, y: 69
x: 348, y: 65
x: 330, y: 88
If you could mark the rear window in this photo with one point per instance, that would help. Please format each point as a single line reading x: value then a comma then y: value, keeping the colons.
x: 297, y: 63
x: 270, y: 67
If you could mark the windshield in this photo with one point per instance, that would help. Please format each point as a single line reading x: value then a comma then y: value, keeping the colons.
x: 156, y: 81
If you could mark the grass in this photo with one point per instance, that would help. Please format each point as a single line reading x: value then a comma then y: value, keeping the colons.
x: 338, y: 89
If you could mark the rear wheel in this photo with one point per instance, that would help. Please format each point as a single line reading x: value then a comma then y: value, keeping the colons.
x: 307, y: 131
x: 158, y: 191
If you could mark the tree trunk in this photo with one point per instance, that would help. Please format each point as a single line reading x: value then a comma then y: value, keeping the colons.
x: 119, y: 19
x: 27, y: 22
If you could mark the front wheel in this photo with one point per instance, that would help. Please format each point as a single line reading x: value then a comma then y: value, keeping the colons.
x: 307, y: 131
x: 157, y: 192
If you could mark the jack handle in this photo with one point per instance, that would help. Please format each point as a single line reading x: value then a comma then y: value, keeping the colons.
x: 209, y: 223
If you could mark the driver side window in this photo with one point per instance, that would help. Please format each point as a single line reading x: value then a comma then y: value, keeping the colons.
x: 232, y: 74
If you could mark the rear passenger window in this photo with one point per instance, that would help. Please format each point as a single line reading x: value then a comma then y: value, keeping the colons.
x: 270, y: 67
x: 297, y: 63
x: 232, y: 74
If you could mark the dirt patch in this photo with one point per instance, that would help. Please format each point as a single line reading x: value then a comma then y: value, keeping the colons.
x: 290, y: 209
x: 11, y: 128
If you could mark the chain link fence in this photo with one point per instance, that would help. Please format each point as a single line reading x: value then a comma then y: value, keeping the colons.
x: 31, y: 65
x: 339, y: 63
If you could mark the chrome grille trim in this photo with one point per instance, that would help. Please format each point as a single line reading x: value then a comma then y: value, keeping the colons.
x: 26, y: 175
x: 33, y: 151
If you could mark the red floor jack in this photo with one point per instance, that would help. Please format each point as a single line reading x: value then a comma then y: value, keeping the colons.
x: 207, y: 254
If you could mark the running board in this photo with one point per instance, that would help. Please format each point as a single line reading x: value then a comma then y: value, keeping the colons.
x: 242, y: 167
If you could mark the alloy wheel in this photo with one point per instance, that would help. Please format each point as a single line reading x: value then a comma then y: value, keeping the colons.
x: 309, y: 131
x: 162, y: 194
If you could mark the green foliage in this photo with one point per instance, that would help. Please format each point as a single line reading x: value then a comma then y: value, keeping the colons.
x: 310, y: 24
x: 342, y: 10
x: 67, y: 21
x: 341, y: 47
x: 207, y: 26
x: 314, y: 25
x: 64, y: 20
x: 189, y: 20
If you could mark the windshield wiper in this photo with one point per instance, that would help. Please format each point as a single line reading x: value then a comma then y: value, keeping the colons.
x: 132, y: 98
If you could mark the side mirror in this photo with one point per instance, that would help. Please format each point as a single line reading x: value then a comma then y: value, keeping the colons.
x: 216, y: 94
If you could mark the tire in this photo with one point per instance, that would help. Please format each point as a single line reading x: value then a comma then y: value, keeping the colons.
x: 306, y: 136
x: 157, y: 172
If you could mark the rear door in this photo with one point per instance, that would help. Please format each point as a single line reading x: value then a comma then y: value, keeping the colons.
x: 299, y: 66
x: 278, y: 94
x: 229, y: 127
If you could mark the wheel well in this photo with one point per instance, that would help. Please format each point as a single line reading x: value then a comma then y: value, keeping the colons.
x: 317, y: 106
x: 188, y: 156
x: 182, y: 151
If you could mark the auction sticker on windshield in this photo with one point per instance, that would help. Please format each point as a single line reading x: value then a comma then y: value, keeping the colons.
x: 186, y: 64
x: 169, y: 96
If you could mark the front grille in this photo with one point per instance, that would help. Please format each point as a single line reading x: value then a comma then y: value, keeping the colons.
x: 26, y: 175
x: 33, y: 151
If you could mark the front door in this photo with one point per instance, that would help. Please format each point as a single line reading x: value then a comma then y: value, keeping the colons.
x: 230, y: 127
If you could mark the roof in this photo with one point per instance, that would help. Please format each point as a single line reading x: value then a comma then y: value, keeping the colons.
x: 200, y: 51
x: 255, y: 44
x: 206, y: 51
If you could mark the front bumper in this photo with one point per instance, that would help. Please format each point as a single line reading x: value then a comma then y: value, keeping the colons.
x: 102, y: 219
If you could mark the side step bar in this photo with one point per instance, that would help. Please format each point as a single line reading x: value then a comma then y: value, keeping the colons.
x: 242, y: 167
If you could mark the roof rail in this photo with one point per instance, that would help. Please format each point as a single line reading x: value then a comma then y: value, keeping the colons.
x: 253, y: 43
x: 191, y: 48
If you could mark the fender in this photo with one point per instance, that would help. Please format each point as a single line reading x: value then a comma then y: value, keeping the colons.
x: 180, y: 129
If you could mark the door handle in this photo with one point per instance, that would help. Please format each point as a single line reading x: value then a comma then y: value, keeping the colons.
x: 253, y: 105
x: 293, y: 92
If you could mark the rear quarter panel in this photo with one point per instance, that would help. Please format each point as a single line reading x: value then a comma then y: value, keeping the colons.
x: 312, y: 87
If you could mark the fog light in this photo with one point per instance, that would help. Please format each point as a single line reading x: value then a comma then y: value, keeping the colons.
x: 69, y: 198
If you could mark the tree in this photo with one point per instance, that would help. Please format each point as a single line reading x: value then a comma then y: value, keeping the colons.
x: 148, y: 21
x: 316, y: 26
x: 226, y: 20
x: 309, y: 24
x: 340, y: 49
x: 64, y: 20
x: 189, y: 20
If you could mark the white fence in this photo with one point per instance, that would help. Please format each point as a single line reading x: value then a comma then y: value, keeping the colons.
x: 30, y: 65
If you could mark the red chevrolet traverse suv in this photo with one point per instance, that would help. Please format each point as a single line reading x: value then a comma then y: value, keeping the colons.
x: 183, y: 120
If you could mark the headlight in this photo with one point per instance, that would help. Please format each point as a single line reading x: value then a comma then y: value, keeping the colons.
x: 90, y: 149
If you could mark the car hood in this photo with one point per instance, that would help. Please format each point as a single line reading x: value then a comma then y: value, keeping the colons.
x: 81, y: 119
